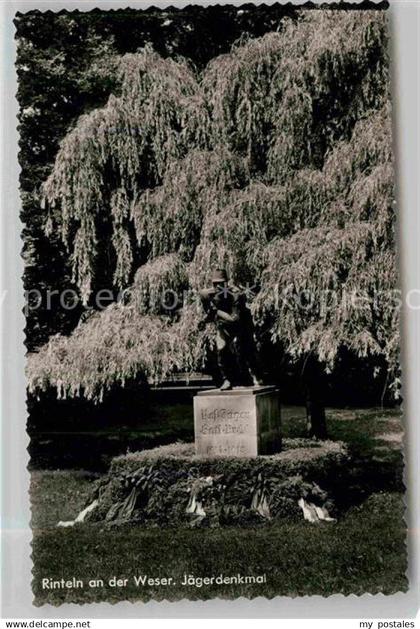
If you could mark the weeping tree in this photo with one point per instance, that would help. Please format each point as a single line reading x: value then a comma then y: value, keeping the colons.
x: 274, y: 162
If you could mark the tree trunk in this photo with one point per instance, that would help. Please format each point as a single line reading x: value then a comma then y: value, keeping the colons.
x: 315, y: 417
x: 315, y: 408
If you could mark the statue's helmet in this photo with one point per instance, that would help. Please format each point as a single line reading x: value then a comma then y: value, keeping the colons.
x: 219, y: 276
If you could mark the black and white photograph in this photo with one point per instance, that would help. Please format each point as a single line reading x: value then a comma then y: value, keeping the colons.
x: 212, y: 303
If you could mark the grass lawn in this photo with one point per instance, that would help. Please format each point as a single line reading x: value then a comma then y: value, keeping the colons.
x: 363, y: 552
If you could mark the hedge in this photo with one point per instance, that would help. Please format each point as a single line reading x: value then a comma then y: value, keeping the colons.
x: 171, y: 486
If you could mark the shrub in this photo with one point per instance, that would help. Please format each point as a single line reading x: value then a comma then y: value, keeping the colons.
x: 171, y: 486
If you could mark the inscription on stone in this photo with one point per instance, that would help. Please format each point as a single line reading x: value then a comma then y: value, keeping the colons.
x: 243, y: 422
x: 223, y: 421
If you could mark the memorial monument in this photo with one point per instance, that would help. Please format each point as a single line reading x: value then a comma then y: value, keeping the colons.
x: 242, y: 418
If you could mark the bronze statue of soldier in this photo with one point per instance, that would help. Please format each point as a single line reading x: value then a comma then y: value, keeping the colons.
x: 225, y: 305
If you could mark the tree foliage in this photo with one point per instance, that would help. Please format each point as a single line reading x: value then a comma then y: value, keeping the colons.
x: 66, y: 66
x: 274, y: 160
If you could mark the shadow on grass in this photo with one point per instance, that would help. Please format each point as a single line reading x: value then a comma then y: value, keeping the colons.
x: 93, y: 449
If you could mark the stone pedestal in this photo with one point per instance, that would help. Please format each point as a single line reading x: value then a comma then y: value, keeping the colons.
x: 243, y: 422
